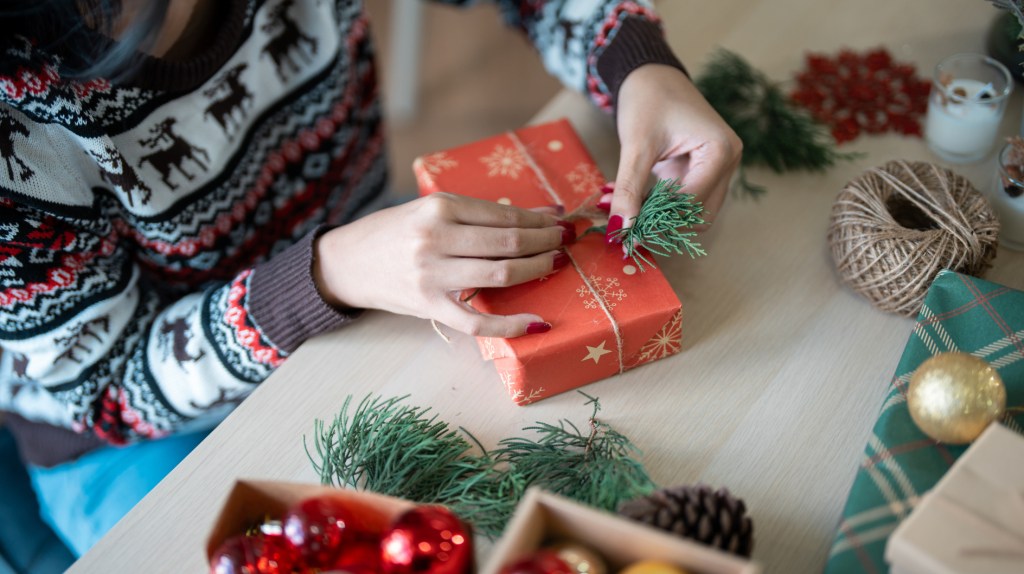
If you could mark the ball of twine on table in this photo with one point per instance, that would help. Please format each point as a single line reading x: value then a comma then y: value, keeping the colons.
x: 894, y: 228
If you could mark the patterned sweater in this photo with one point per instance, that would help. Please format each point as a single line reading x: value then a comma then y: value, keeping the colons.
x: 156, y: 236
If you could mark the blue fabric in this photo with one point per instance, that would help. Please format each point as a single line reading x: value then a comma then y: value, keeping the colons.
x: 84, y: 498
x: 26, y: 543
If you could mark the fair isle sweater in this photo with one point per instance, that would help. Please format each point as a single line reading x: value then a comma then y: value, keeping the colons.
x: 156, y: 235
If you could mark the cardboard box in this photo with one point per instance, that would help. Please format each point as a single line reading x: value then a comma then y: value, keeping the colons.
x: 608, y: 317
x: 972, y: 522
x: 250, y: 502
x: 543, y: 518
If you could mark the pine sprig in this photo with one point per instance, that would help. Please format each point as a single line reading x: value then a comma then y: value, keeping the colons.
x: 485, y: 495
x: 401, y: 451
x: 775, y: 132
x: 1015, y: 7
x: 664, y: 225
x: 596, y: 468
x: 390, y: 448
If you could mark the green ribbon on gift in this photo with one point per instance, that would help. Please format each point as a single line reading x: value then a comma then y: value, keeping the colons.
x: 960, y: 313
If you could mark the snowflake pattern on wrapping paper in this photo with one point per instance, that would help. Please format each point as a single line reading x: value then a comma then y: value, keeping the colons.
x: 439, y: 162
x: 862, y: 93
x: 504, y: 162
x: 668, y: 341
x: 585, y: 179
x: 608, y: 291
x: 518, y: 395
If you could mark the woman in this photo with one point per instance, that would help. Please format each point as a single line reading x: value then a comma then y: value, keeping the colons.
x: 179, y: 211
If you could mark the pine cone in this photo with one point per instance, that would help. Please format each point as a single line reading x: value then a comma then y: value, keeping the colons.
x: 715, y: 518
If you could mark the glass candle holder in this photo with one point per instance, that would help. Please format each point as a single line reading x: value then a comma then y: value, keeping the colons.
x: 1007, y: 197
x: 966, y: 105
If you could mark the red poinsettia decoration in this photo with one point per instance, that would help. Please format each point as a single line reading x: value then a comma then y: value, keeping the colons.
x: 857, y: 93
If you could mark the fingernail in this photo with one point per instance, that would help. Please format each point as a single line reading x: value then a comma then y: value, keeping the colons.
x: 559, y: 209
x: 537, y: 328
x: 561, y: 260
x: 608, y: 187
x: 614, y: 224
x: 605, y: 207
x: 568, y: 232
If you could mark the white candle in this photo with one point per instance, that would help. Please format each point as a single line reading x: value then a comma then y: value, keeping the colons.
x: 963, y: 120
x: 1010, y: 211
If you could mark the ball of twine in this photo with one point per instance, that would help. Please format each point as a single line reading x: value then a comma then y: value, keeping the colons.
x: 894, y: 228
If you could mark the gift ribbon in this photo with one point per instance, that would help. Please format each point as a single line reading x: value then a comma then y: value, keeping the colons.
x: 583, y: 277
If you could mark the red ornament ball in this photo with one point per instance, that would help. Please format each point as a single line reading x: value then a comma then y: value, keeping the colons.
x: 359, y: 557
x: 541, y: 562
x: 257, y: 554
x: 317, y: 528
x: 426, y: 540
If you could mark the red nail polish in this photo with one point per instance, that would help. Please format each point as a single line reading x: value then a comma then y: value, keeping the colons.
x: 559, y: 209
x: 605, y: 207
x: 561, y: 260
x: 608, y: 188
x: 614, y: 224
x: 568, y: 232
x: 537, y: 328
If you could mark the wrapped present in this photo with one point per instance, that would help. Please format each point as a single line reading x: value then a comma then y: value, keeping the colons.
x: 901, y: 463
x: 608, y: 317
x: 972, y: 522
x: 542, y: 519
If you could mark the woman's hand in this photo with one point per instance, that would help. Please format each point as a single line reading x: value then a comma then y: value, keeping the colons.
x: 667, y: 127
x: 416, y: 258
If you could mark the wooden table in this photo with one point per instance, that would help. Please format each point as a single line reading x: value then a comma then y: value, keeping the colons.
x: 782, y: 372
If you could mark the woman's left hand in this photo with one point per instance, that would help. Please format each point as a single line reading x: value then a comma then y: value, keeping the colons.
x: 667, y: 127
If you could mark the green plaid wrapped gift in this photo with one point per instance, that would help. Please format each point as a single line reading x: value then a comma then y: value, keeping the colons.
x: 901, y: 463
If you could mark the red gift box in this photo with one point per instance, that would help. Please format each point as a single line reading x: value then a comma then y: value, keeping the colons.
x: 607, y: 316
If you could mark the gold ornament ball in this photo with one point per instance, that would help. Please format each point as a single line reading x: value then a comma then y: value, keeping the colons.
x: 953, y: 396
x: 580, y: 559
x: 652, y: 567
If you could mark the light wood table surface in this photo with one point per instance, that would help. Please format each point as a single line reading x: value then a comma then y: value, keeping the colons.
x: 782, y: 371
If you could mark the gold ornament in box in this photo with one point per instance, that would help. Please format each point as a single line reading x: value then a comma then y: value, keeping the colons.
x: 543, y: 518
x: 952, y: 397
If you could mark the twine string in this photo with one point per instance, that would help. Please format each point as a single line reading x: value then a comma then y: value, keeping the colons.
x: 893, y: 262
x: 604, y: 307
x: 578, y: 213
x: 521, y: 147
x: 586, y: 210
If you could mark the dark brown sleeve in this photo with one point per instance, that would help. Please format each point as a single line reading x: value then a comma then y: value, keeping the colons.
x: 40, y: 444
x: 284, y: 301
x: 637, y: 42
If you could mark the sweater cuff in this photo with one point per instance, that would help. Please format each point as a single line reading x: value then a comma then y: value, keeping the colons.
x: 637, y: 42
x: 285, y: 302
x: 41, y: 444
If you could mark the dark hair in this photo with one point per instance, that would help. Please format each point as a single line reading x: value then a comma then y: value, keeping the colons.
x: 79, y: 33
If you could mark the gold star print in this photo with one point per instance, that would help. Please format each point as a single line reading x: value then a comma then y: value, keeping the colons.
x: 595, y: 353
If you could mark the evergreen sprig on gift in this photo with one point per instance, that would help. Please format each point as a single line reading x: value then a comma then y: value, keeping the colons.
x: 776, y: 133
x: 664, y: 225
x: 398, y: 450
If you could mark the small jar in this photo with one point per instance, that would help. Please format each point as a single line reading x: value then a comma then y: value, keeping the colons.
x: 966, y: 106
x: 1007, y: 197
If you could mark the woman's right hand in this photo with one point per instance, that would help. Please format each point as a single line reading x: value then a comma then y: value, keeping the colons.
x: 416, y: 258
